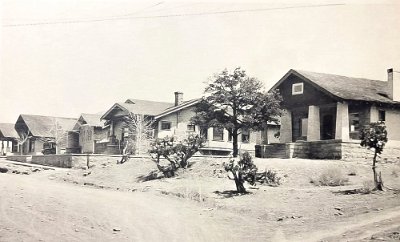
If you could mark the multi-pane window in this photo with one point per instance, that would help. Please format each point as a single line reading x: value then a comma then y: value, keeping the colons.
x: 165, y: 125
x: 218, y: 133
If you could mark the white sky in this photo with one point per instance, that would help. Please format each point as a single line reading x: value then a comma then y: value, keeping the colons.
x: 65, y: 68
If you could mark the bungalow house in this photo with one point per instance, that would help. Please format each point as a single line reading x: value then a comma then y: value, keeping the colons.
x: 45, y: 133
x: 92, y: 134
x: 175, y: 121
x: 114, y: 118
x: 8, y: 139
x: 324, y: 114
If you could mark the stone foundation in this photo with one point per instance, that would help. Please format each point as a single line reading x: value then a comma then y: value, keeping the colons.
x: 329, y: 149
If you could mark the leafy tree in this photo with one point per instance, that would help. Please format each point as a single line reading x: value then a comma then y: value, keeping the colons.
x: 235, y: 101
x: 176, y: 153
x: 374, y: 136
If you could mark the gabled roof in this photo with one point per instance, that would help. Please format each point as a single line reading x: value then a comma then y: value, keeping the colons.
x: 179, y: 107
x: 343, y: 87
x: 92, y: 119
x: 7, y: 130
x: 137, y: 106
x: 44, y: 126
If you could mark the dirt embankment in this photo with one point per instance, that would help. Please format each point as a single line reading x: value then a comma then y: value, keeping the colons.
x: 293, y: 211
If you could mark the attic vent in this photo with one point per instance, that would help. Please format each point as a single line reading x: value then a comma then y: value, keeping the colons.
x: 383, y: 94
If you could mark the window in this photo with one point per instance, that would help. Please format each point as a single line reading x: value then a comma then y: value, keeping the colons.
x: 165, y: 125
x: 191, y: 128
x: 354, y: 119
x: 382, y: 115
x: 204, y: 132
x: 218, y: 133
x: 245, y: 135
x: 297, y: 88
x: 125, y: 132
x: 230, y: 135
x: 31, y: 145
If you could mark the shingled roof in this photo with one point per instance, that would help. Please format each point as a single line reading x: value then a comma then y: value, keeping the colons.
x: 137, y: 106
x: 43, y: 126
x: 181, y: 106
x: 7, y: 130
x: 343, y: 87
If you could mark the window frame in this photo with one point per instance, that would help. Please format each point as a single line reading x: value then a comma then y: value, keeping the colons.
x: 165, y: 122
x: 221, y: 138
x: 295, y: 85
x: 381, y: 113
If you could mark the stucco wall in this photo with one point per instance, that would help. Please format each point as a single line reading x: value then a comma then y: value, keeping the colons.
x: 393, y: 124
x: 86, y: 138
x: 179, y: 121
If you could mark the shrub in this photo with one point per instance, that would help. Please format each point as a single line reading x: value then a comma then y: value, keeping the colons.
x: 331, y: 177
x: 177, y: 153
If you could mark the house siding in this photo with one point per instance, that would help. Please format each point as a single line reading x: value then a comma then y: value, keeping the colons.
x: 393, y: 124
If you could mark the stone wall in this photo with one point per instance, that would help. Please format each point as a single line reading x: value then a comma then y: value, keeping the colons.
x: 329, y: 149
x: 64, y: 161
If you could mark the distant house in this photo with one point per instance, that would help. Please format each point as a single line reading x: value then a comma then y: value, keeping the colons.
x: 114, y: 117
x: 324, y: 113
x: 8, y: 139
x: 45, y: 133
x: 93, y: 135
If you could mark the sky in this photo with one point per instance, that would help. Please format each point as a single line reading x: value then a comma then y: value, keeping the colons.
x: 66, y: 57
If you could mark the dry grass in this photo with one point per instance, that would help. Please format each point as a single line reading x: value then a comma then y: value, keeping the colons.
x: 330, y: 177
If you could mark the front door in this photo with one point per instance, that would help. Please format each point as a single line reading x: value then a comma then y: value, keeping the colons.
x: 328, y: 127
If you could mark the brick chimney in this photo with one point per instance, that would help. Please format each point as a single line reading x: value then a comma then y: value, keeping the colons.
x: 394, y: 84
x: 178, y: 98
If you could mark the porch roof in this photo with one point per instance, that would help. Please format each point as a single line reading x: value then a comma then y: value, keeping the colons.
x: 7, y: 130
x: 343, y: 87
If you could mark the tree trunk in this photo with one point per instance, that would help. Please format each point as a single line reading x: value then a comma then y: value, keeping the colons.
x: 377, y: 177
x: 239, y: 183
x: 235, y: 142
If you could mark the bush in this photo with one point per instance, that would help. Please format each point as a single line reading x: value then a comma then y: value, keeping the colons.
x: 177, y: 153
x: 331, y: 177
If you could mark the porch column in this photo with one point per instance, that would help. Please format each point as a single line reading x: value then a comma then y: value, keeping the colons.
x: 313, y: 124
x: 342, y: 121
x: 373, y: 114
x: 286, y: 127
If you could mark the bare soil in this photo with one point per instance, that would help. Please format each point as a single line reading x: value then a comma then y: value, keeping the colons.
x: 196, y: 205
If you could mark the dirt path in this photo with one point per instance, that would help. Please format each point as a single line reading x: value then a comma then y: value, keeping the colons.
x: 33, y: 210
x: 360, y: 228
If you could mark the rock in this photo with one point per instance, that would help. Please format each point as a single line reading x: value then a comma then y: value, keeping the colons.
x: 338, y: 208
x: 280, y: 219
x: 36, y: 169
x: 87, y: 173
x: 3, y: 170
x: 76, y: 230
x: 116, y: 229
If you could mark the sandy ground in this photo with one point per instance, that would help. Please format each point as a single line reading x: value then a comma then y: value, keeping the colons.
x: 87, y: 204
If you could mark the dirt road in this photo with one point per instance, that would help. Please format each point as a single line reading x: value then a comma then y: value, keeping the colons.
x: 34, y: 210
